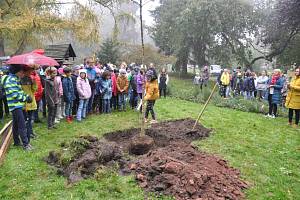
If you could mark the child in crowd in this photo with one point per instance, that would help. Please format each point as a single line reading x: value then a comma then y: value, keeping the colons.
x: 98, y: 92
x: 75, y: 73
x: 52, y: 94
x: 197, y: 79
x: 114, y: 98
x: 29, y: 86
x: 106, y: 92
x: 133, y: 86
x: 85, y: 93
x: 60, y: 106
x: 38, y: 94
x: 122, y: 85
x: 152, y: 94
x: 3, y: 101
x: 15, y: 100
x: 68, y: 93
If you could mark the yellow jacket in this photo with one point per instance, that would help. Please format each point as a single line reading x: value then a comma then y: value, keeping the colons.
x: 152, y: 91
x: 29, y: 87
x: 225, y: 78
x: 293, y: 97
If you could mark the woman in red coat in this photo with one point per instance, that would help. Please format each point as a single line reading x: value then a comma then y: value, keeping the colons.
x: 38, y: 94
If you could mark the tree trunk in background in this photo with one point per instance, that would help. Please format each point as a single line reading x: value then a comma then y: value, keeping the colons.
x: 2, y: 50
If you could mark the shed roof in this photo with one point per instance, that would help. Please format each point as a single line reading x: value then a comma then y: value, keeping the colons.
x: 60, y: 52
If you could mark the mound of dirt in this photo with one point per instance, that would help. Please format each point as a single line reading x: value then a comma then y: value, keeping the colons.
x: 181, y: 171
x: 163, y: 161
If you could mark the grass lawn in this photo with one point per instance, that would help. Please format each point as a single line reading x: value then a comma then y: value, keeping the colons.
x: 266, y: 151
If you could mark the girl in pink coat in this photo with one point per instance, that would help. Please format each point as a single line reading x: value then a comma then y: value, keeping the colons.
x: 84, y: 92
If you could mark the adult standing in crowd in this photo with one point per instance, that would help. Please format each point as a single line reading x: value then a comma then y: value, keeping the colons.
x: 163, y: 80
x: 293, y: 98
x: 274, y: 95
x: 225, y: 81
x: 205, y: 77
x: 262, y: 85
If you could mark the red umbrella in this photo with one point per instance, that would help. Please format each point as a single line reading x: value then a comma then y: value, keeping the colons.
x: 39, y: 51
x: 30, y: 59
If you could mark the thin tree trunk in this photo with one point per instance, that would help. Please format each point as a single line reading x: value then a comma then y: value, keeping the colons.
x: 2, y: 50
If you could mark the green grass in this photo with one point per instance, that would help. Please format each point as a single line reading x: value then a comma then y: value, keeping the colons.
x: 266, y: 151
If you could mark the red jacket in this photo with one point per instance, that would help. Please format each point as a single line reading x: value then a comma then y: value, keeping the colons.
x: 39, y: 92
x: 114, y: 84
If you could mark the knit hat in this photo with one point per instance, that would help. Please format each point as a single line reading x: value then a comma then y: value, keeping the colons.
x: 122, y: 71
x: 82, y: 71
x: 76, y: 67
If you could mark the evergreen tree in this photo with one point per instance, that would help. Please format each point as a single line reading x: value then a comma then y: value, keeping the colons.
x: 109, y: 51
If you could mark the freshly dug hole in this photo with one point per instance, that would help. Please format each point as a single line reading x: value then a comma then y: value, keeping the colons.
x: 140, y: 145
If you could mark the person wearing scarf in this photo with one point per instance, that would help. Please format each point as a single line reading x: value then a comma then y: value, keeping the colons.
x: 274, y: 95
x: 293, y: 98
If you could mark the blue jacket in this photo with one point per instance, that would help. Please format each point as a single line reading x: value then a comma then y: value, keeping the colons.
x: 68, y: 89
x: 277, y: 95
x: 106, y: 89
x: 15, y: 96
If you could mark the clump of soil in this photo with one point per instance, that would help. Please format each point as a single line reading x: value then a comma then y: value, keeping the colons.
x: 163, y: 161
x: 185, y: 173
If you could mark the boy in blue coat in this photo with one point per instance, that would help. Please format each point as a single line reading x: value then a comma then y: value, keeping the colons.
x: 106, y: 92
x: 68, y: 93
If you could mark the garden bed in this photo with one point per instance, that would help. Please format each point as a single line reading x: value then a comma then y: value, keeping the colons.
x: 171, y: 166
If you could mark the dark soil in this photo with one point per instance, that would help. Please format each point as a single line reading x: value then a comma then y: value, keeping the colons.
x: 181, y: 171
x: 163, y: 161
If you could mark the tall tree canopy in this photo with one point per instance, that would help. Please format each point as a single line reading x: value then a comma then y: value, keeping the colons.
x: 222, y: 31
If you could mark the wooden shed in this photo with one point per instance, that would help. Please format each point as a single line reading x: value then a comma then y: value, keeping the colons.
x: 60, y: 52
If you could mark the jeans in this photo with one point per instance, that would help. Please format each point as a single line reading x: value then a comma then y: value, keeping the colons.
x: 106, y: 106
x: 249, y: 95
x: 161, y: 91
x: 134, y: 99
x: 90, y: 102
x: 19, y: 127
x: 272, y: 106
x: 68, y: 109
x: 122, y: 101
x: 150, y: 108
x: 82, y: 109
x: 28, y: 121
x: 51, y: 115
x: 114, y: 102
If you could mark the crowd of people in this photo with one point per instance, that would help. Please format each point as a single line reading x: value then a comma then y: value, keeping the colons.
x: 73, y: 93
x: 276, y: 88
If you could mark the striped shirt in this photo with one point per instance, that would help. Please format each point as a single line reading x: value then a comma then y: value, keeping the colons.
x: 15, y: 96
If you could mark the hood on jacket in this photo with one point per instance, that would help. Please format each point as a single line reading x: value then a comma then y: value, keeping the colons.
x: 83, y: 71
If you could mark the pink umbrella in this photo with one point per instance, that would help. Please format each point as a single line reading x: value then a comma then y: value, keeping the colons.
x: 30, y: 59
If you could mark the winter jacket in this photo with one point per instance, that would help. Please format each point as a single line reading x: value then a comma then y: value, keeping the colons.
x: 68, y: 89
x: 83, y: 88
x: 293, y: 97
x: 29, y: 87
x: 51, y: 92
x: 225, y: 78
x: 205, y: 75
x: 122, y: 83
x: 262, y: 83
x: 98, y: 85
x: 2, y: 91
x: 140, y: 81
x: 58, y: 83
x: 239, y: 86
x: 277, y: 95
x: 91, y: 76
x: 114, y: 84
x: 152, y: 90
x: 106, y: 89
x: 249, y: 84
x: 133, y: 85
x: 39, y: 92
x: 163, y: 80
x: 15, y: 96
